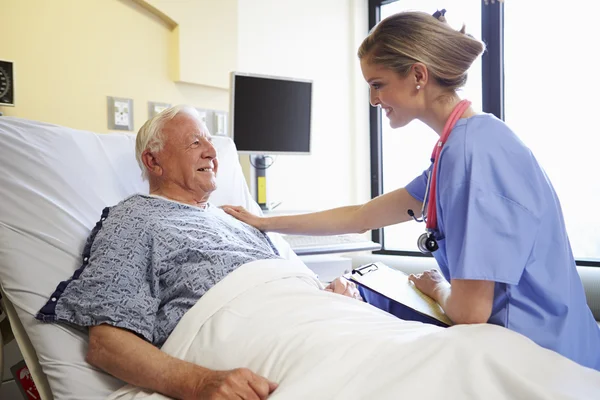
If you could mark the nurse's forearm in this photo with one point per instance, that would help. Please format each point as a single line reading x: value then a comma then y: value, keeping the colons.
x: 441, y: 295
x: 466, y: 301
x: 330, y: 222
x: 388, y: 209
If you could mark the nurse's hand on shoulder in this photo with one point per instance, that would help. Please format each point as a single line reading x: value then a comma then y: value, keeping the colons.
x: 344, y: 287
x: 244, y: 215
x: 429, y: 282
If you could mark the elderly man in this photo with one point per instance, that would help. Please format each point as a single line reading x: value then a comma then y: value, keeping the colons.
x: 151, y: 258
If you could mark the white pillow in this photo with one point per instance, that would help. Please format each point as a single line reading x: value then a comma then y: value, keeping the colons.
x: 54, y: 183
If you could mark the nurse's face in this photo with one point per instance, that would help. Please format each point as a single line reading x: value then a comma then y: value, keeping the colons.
x: 396, y: 95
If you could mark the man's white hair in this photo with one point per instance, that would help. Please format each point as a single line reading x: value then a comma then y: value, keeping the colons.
x: 150, y: 136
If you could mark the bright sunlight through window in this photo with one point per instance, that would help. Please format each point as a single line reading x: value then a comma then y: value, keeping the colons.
x: 406, y: 151
x: 551, y: 86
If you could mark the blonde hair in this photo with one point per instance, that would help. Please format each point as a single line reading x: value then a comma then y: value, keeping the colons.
x: 401, y: 40
x: 150, y: 136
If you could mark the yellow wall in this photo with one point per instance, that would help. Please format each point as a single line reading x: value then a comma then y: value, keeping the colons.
x: 316, y: 40
x: 70, y: 54
x: 198, y: 20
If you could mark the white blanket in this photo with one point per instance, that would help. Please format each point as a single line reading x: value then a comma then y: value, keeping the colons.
x: 273, y: 318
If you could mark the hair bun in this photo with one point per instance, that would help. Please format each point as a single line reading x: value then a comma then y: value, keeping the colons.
x: 440, y: 15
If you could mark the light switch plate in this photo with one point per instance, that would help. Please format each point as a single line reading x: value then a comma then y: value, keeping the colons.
x: 220, y: 123
x: 155, y: 108
x: 206, y: 116
x: 120, y: 113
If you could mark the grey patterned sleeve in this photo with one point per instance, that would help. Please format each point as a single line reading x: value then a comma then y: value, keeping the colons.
x: 117, y: 284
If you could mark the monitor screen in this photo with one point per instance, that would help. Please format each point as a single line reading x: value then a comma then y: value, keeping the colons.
x: 270, y: 115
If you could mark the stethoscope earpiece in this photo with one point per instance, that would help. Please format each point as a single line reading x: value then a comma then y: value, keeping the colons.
x: 427, y: 243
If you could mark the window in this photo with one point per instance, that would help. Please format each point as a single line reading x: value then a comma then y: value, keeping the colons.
x: 551, y: 90
x: 533, y: 76
x: 405, y: 152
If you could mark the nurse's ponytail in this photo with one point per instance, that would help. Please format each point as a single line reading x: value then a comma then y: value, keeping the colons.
x: 403, y: 39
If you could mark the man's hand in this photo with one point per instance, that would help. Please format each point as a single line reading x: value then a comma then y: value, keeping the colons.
x: 344, y: 287
x: 244, y: 215
x: 236, y: 384
x: 429, y: 282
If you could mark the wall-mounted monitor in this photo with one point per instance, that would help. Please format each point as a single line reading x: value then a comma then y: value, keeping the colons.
x: 270, y: 115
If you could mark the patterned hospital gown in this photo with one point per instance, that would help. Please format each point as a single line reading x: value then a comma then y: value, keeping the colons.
x: 148, y: 261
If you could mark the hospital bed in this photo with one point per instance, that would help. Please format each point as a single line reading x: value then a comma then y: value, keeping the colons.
x: 54, y: 182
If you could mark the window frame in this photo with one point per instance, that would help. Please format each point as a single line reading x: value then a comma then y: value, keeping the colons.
x: 492, y: 75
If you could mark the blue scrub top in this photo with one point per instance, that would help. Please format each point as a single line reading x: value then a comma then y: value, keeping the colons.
x: 499, y: 219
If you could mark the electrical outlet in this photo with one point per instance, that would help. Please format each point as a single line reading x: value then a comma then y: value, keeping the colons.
x: 156, y: 108
x: 120, y: 113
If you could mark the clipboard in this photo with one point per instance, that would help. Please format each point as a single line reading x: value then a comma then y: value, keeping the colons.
x: 404, y: 299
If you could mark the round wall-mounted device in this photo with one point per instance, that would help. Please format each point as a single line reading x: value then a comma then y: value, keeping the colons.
x: 7, y: 84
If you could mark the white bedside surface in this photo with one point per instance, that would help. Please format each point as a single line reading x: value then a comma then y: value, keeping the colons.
x: 328, y: 267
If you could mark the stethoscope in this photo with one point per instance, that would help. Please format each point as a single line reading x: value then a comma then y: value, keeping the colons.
x: 427, y: 242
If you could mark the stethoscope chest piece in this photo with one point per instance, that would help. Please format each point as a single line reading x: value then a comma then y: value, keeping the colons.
x: 427, y: 243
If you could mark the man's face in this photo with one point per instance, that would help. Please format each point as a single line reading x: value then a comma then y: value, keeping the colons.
x: 188, y: 159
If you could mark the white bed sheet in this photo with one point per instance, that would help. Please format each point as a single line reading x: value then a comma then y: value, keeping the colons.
x: 271, y: 316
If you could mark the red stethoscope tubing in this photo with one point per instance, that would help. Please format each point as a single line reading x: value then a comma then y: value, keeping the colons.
x: 457, y: 112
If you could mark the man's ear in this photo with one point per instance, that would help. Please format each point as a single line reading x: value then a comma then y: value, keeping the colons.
x: 420, y: 73
x: 151, y: 163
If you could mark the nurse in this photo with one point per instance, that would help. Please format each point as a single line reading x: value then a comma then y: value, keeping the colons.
x: 494, y: 222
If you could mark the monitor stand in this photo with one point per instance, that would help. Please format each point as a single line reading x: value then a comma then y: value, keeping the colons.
x: 260, y: 169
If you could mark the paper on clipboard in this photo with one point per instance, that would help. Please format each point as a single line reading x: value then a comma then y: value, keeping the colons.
x: 395, y: 285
